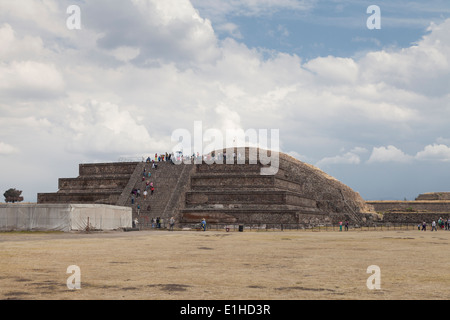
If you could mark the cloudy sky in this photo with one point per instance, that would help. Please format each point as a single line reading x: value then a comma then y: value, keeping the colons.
x: 370, y: 107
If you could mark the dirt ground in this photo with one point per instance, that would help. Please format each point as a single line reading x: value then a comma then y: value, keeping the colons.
x: 216, y: 265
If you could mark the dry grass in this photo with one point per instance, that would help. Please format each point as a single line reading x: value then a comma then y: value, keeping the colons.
x: 225, y: 266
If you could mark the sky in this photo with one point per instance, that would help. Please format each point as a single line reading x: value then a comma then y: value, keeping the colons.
x: 114, y: 80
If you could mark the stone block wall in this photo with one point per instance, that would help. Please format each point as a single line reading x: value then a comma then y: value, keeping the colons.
x: 92, y: 183
x: 439, y: 196
x: 109, y: 197
x: 411, y: 206
x: 412, y: 212
x: 414, y: 218
x: 231, y: 181
x: 97, y: 183
x: 114, y: 168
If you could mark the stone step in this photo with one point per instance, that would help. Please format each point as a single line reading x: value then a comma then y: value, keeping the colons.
x: 83, y: 183
x: 103, y: 196
x: 165, y: 179
x: 101, y: 176
x: 107, y: 168
x: 226, y: 181
x: 229, y: 168
x: 126, y: 192
x: 247, y: 196
x: 253, y: 207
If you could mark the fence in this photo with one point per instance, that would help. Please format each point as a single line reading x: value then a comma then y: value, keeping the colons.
x: 277, y: 227
x: 267, y: 227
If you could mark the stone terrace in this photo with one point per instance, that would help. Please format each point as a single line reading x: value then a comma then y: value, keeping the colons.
x: 297, y: 193
x: 100, y: 183
x: 238, y: 193
x: 412, y: 211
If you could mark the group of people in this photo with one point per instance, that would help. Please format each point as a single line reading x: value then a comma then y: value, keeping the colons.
x: 441, y: 224
x: 137, y: 194
x: 158, y: 158
x: 170, y: 157
x: 341, y: 224
x: 150, y: 188
x: 179, y: 157
x: 156, y: 222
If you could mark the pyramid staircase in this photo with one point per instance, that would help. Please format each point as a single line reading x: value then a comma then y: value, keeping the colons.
x: 169, y: 181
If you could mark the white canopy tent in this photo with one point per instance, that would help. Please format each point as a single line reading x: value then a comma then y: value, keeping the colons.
x: 63, y: 217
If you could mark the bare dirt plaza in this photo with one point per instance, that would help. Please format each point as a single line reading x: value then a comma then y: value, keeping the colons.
x: 219, y: 265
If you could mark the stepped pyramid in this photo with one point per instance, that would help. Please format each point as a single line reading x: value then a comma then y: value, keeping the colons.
x: 296, y: 193
x: 221, y: 193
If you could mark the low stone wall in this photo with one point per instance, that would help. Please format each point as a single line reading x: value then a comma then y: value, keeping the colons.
x: 241, y: 197
x: 83, y: 183
x: 227, y: 181
x: 414, y: 218
x: 411, y: 206
x: 226, y: 168
x: 108, y: 197
x: 90, y: 169
x: 254, y: 216
x: 284, y: 184
x: 434, y: 196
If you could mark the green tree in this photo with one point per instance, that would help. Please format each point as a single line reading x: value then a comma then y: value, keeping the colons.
x: 13, y: 195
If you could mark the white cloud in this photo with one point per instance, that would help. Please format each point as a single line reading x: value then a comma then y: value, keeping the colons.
x: 6, y: 149
x: 231, y: 29
x: 435, y: 152
x: 421, y: 68
x: 334, y: 70
x: 351, y: 157
x: 31, y: 79
x: 359, y: 150
x: 229, y: 119
x: 442, y: 140
x: 125, y: 53
x: 347, y: 158
x: 389, y: 154
x: 439, y: 152
x: 298, y: 156
x: 44, y: 15
x: 13, y: 48
x: 170, y: 31
x: 283, y: 31
x: 102, y: 127
x: 363, y: 39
